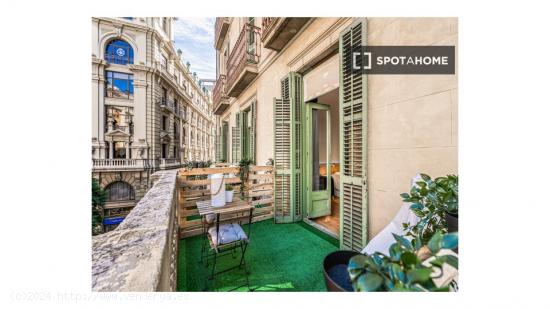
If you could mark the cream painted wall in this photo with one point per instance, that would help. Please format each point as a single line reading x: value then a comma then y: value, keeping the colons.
x: 412, y: 119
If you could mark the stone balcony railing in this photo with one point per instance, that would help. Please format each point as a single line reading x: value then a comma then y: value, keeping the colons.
x: 169, y: 163
x: 141, y: 254
x: 124, y: 164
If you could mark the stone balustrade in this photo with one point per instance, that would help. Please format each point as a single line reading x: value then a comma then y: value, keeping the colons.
x: 140, y: 255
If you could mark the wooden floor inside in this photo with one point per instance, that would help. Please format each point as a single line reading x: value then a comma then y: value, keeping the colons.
x: 332, y: 221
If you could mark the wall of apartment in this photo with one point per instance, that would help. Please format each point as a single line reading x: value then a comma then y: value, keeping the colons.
x: 317, y: 37
x: 412, y: 119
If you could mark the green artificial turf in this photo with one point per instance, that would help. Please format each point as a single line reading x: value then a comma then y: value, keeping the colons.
x: 280, y: 257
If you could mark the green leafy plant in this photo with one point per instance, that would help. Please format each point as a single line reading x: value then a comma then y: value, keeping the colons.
x: 407, y: 268
x: 99, y: 197
x: 228, y: 187
x: 431, y: 199
x: 244, y: 165
x: 196, y: 164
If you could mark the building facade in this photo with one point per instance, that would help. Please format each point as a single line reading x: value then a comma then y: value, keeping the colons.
x: 344, y: 146
x: 149, y: 111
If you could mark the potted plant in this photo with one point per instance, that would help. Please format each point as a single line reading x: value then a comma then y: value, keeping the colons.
x: 410, y: 267
x: 229, y: 193
x: 435, y: 203
x: 244, y: 165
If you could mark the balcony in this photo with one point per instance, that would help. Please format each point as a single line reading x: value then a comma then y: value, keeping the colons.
x: 221, y: 27
x: 278, y: 31
x: 220, y: 99
x: 242, y: 65
x: 166, y: 164
x: 120, y: 164
x: 170, y: 106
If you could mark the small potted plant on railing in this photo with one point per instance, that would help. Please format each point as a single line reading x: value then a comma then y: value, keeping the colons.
x: 244, y: 165
x: 229, y: 193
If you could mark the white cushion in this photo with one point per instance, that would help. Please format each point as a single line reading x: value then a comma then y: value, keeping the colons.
x: 384, y: 239
x: 227, y: 233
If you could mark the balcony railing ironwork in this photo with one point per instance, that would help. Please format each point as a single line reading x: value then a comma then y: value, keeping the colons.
x: 245, y: 52
x: 268, y: 24
x: 220, y: 29
x: 219, y: 97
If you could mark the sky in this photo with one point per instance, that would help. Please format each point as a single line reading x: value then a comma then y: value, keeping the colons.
x: 195, y: 37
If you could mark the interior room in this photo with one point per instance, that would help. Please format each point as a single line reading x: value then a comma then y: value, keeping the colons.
x: 331, y: 222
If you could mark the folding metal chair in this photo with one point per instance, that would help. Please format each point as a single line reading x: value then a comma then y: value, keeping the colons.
x: 225, y: 236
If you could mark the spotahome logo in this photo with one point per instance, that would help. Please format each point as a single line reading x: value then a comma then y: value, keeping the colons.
x: 401, y: 60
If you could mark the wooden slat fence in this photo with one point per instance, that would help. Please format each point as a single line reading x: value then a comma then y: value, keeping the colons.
x: 194, y: 185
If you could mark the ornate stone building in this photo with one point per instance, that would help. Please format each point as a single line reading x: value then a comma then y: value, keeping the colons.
x: 149, y: 111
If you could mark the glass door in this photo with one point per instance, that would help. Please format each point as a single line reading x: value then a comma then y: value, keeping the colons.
x: 318, y: 156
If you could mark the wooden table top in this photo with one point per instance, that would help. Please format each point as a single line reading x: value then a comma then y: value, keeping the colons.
x: 205, y: 207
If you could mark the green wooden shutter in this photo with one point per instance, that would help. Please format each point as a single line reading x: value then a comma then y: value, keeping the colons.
x: 236, y: 139
x: 218, y: 146
x: 252, y: 140
x: 353, y: 142
x: 287, y: 149
x: 225, y: 133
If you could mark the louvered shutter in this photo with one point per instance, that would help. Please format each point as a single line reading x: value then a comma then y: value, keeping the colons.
x: 287, y: 150
x: 218, y: 146
x: 252, y: 140
x: 236, y: 139
x: 353, y: 145
x: 225, y: 137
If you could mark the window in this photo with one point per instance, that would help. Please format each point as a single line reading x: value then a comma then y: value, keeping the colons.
x: 120, y: 191
x: 164, y: 62
x: 164, y: 151
x: 164, y: 122
x: 119, y: 151
x: 119, y: 52
x: 165, y: 24
x: 119, y: 85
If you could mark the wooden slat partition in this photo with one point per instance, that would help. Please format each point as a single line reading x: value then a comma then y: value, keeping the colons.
x: 194, y: 185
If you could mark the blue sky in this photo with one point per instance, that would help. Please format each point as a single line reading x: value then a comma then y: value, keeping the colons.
x: 195, y: 37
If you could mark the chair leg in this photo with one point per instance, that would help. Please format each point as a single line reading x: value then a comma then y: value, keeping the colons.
x: 214, y: 265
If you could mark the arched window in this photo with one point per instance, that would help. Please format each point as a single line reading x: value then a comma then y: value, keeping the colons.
x: 119, y: 52
x: 120, y: 191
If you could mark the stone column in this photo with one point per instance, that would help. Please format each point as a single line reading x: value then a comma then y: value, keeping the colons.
x: 128, y: 150
x: 111, y: 149
x: 140, y: 106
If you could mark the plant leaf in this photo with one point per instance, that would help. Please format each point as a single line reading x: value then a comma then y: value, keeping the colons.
x: 425, y: 177
x: 408, y: 259
x: 450, y: 241
x: 395, y: 252
x: 369, y: 282
x: 435, y: 242
x: 403, y: 241
x: 418, y: 275
x: 451, y: 260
